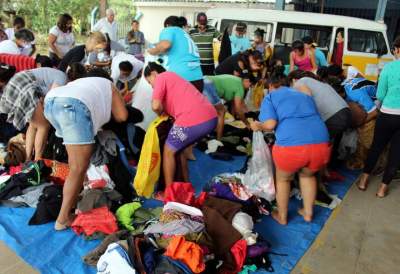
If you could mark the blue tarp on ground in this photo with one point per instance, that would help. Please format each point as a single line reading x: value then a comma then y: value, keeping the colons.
x: 51, y: 252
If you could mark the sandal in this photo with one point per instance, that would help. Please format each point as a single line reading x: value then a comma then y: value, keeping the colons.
x: 63, y: 226
x: 364, y: 187
x: 385, y: 191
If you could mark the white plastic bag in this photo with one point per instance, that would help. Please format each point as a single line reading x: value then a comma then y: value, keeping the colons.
x: 259, y: 177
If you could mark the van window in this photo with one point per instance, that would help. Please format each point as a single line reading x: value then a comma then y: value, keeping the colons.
x: 251, y: 27
x: 366, y: 41
x: 287, y: 33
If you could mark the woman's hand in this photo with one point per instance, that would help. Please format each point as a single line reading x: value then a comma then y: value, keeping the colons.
x: 255, y: 125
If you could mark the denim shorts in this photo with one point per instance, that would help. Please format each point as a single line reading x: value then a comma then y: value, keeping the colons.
x: 71, y: 118
x: 211, y: 93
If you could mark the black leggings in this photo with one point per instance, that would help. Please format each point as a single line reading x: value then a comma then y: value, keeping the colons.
x: 199, y: 84
x: 387, y: 129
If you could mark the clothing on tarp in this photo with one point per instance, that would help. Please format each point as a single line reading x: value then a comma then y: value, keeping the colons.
x: 122, y: 178
x: 98, y: 177
x: 55, y: 149
x: 95, y: 220
x: 115, y: 261
x: 176, y: 227
x: 59, y: 171
x: 189, y: 210
x: 218, y: 215
x: 143, y: 216
x: 238, y: 251
x: 16, y: 154
x: 32, y: 174
x: 49, y: 205
x: 125, y: 215
x: 189, y: 253
x: 243, y: 223
x: 183, y: 193
x: 168, y: 265
x: 148, y: 170
x: 93, y: 256
x: 94, y: 198
x: 30, y: 196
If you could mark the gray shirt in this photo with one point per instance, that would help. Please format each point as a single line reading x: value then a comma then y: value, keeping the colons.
x: 137, y: 46
x: 103, y: 56
x: 328, y: 101
x: 46, y: 77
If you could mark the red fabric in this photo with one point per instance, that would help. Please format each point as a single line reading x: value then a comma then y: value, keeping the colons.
x: 20, y: 62
x: 334, y: 176
x: 294, y: 158
x: 338, y: 56
x: 15, y: 169
x: 201, y: 199
x: 187, y: 252
x: 96, y: 220
x: 59, y: 171
x: 239, y: 253
x: 180, y: 192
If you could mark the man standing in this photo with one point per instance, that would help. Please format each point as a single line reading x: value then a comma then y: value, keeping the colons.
x: 135, y: 39
x: 203, y: 36
x: 108, y: 25
x: 239, y: 41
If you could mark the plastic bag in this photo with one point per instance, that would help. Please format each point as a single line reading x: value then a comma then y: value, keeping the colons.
x: 259, y: 177
x: 148, y: 170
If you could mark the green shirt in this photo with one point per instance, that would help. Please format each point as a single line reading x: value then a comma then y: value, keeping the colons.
x: 228, y: 86
x: 389, y: 88
x: 204, y: 42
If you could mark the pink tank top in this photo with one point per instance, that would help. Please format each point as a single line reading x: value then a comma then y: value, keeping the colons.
x: 305, y: 63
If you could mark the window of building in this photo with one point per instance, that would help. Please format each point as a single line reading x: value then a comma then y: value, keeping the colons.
x: 366, y: 41
x: 251, y: 27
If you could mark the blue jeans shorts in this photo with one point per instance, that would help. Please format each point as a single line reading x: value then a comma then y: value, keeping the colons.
x: 211, y: 93
x: 71, y: 118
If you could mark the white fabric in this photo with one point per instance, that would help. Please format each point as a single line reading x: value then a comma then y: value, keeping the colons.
x: 10, y: 33
x: 94, y: 92
x: 352, y: 72
x: 243, y: 223
x: 142, y: 101
x: 64, y: 41
x: 122, y: 57
x: 183, y: 208
x: 95, y: 173
x: 213, y: 145
x: 105, y: 26
x: 9, y: 47
x: 114, y: 261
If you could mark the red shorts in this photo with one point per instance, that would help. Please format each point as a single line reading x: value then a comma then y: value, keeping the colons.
x: 293, y: 158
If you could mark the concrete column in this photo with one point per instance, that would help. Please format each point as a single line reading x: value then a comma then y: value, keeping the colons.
x: 280, y: 4
x: 380, y: 10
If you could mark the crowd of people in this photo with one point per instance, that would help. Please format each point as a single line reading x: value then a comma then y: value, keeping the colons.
x: 312, y: 109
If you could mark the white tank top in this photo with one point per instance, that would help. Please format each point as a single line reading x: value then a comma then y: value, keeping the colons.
x: 94, y: 92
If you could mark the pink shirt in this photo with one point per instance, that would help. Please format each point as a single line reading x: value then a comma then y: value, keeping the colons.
x: 305, y: 63
x: 182, y: 100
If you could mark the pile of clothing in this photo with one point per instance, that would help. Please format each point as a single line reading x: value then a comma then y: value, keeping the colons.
x: 204, y: 234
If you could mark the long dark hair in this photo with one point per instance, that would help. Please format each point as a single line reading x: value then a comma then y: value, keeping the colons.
x: 6, y: 72
x: 153, y: 66
x: 63, y: 22
x: 298, y: 74
x: 278, y: 78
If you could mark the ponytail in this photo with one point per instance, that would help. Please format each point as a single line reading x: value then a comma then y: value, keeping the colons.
x: 153, y: 66
x: 6, y: 72
x: 278, y: 78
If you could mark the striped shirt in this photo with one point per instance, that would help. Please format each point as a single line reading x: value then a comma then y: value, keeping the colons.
x: 204, y: 42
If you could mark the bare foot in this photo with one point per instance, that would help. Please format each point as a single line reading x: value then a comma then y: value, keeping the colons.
x: 363, y: 182
x: 306, y: 217
x: 382, y: 191
x: 275, y: 215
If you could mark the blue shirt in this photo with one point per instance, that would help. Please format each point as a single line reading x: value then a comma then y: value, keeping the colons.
x: 298, y: 120
x: 320, y: 58
x: 183, y: 55
x: 365, y: 95
x: 239, y: 43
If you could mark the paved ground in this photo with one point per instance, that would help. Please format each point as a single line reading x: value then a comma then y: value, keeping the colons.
x: 362, y: 236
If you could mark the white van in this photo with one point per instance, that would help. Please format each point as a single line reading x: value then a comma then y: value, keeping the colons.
x: 366, y: 44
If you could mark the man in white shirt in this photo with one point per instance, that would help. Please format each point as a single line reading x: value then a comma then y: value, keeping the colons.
x: 22, y: 40
x: 108, y: 25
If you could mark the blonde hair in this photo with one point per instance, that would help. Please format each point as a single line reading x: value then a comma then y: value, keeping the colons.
x: 97, y: 37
